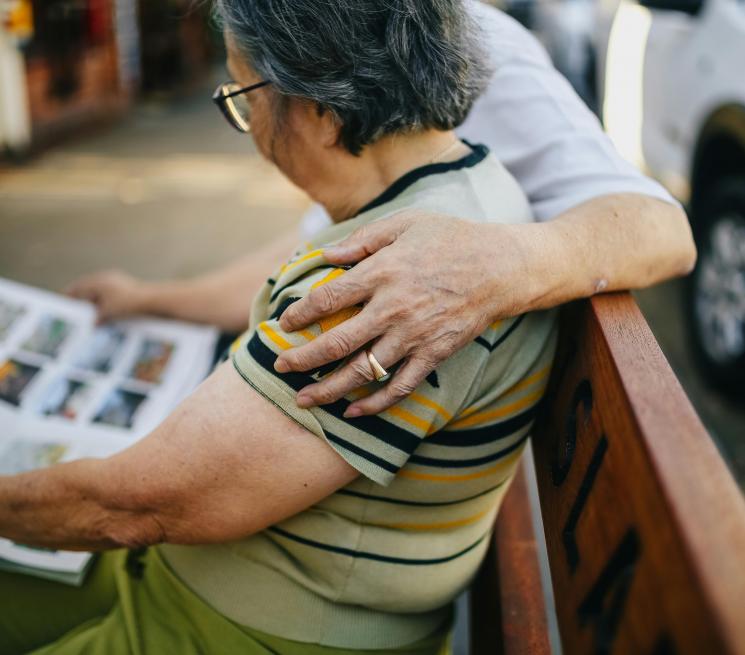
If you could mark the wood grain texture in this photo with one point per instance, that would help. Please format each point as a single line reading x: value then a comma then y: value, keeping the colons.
x: 508, y: 615
x: 644, y: 524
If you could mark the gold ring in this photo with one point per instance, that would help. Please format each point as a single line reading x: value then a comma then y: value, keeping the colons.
x: 380, y: 374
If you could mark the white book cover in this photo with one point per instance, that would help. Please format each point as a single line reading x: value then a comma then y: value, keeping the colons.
x: 70, y: 389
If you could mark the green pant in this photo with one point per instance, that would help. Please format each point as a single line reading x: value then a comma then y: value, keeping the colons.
x: 131, y: 603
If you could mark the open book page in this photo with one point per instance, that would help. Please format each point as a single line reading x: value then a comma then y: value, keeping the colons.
x: 72, y: 389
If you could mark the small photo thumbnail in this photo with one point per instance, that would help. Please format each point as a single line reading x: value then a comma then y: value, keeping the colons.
x: 152, y: 360
x: 120, y: 408
x: 48, y: 336
x: 15, y: 376
x: 9, y: 314
x: 98, y: 353
x: 66, y: 398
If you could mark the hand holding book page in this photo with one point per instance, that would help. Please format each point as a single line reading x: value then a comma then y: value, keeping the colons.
x: 71, y: 389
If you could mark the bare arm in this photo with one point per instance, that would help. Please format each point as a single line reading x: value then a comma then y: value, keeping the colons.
x: 431, y: 284
x: 221, y: 297
x: 226, y: 464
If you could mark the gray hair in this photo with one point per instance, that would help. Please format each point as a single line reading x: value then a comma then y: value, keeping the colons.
x: 381, y: 66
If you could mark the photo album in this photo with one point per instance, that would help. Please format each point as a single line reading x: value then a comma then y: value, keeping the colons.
x: 70, y: 388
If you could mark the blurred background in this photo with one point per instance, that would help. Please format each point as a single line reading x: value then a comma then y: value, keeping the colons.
x: 113, y: 155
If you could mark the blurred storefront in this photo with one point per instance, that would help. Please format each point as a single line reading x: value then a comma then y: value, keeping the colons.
x: 176, y: 43
x: 68, y: 63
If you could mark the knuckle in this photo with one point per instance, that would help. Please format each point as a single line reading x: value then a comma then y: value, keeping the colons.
x: 361, y: 371
x: 360, y: 234
x: 290, y: 318
x: 323, y: 394
x: 399, y: 389
x: 338, y: 345
x: 294, y: 359
x: 324, y: 299
x: 388, y: 272
x: 393, y: 311
x: 439, y: 353
x: 427, y: 362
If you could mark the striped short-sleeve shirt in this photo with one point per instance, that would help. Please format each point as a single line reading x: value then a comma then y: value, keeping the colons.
x: 377, y: 564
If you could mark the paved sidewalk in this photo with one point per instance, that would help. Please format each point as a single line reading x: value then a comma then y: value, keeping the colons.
x: 170, y: 191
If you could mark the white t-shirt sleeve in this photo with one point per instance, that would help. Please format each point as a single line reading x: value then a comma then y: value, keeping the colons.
x: 535, y: 124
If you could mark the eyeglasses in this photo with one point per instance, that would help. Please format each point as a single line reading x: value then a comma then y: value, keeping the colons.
x: 232, y: 101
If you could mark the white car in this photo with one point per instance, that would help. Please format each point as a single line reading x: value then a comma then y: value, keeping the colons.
x: 672, y: 78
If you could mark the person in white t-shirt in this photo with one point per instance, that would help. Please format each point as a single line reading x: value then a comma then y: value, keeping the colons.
x: 431, y: 283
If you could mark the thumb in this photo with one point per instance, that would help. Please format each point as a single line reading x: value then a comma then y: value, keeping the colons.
x: 366, y: 240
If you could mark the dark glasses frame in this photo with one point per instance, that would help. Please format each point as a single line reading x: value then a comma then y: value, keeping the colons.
x: 221, y: 97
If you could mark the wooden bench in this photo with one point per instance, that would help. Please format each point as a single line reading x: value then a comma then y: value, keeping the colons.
x: 644, y: 525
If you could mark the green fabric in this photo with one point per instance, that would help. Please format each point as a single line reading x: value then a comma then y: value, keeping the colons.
x: 140, y: 608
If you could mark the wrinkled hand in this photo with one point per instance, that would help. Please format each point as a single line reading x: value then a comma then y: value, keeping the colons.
x: 429, y: 284
x: 114, y: 293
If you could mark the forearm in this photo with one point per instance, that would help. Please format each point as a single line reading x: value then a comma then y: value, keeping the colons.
x: 221, y: 297
x: 71, y: 506
x: 608, y: 244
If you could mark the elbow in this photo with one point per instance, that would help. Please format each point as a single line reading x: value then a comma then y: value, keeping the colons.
x: 146, y: 520
x: 147, y: 511
x: 687, y: 254
x: 688, y: 259
x: 132, y: 519
x: 673, y: 240
x: 134, y: 530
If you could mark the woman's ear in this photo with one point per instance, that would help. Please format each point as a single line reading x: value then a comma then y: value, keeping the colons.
x: 330, y: 127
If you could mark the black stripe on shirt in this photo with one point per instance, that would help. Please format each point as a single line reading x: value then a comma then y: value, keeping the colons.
x: 491, y: 346
x: 476, y: 156
x: 375, y: 426
x: 374, y: 459
x: 279, y: 290
x: 416, y: 503
x: 370, y: 457
x: 281, y: 307
x: 375, y: 556
x: 465, y: 463
x: 485, y: 435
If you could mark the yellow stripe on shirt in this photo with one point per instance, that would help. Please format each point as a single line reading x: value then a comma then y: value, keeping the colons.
x: 500, y: 412
x: 289, y: 266
x: 409, y: 417
x: 522, y: 384
x: 445, y: 525
x: 274, y: 336
x: 307, y: 334
x: 423, y: 400
x: 337, y: 272
x: 434, y: 477
x: 531, y: 379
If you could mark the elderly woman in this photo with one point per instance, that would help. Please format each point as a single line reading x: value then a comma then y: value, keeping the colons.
x: 256, y: 526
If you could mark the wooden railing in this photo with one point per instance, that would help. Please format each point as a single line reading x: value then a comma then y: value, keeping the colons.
x: 643, y: 523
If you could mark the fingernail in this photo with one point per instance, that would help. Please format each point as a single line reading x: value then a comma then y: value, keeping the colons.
x: 281, y: 366
x: 352, y: 412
